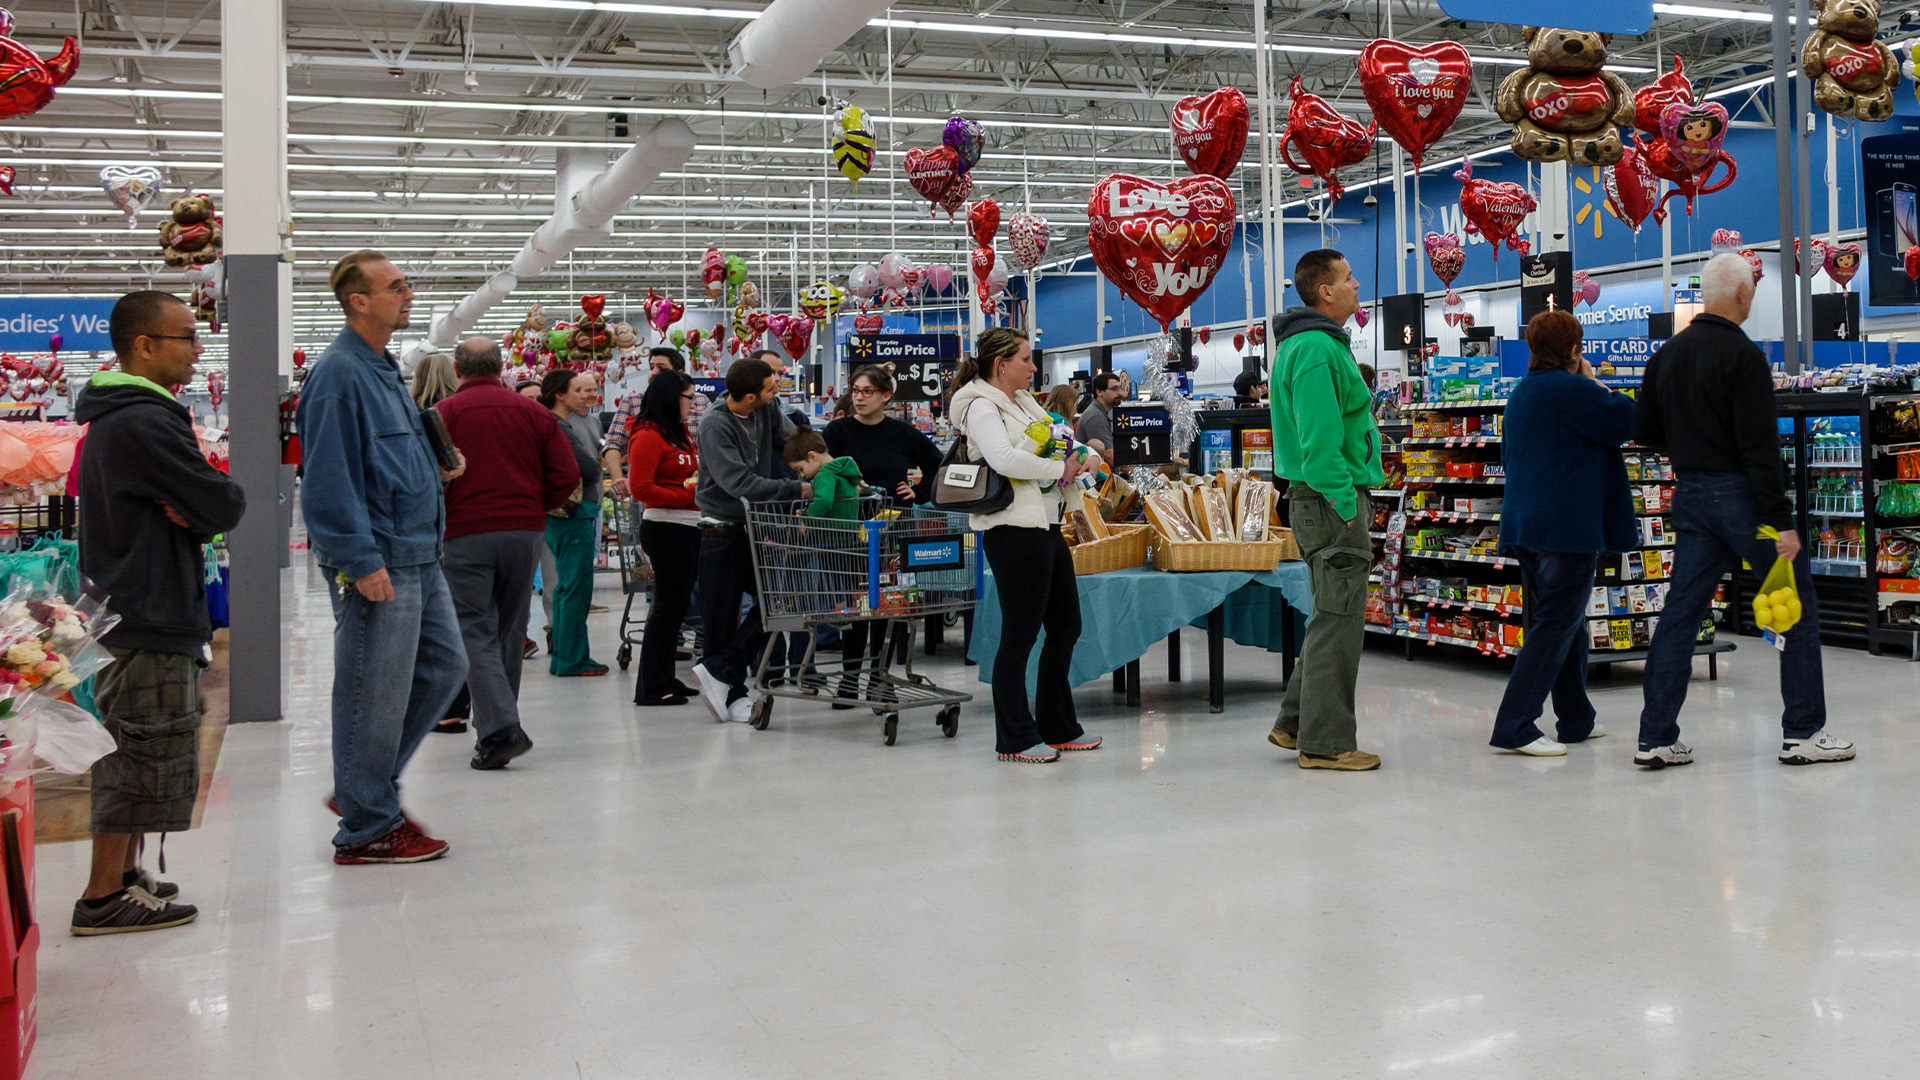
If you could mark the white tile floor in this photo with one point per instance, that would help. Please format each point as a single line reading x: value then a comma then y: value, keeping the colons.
x: 649, y: 894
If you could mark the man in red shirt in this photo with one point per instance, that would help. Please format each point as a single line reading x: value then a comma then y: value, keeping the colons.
x: 520, y: 466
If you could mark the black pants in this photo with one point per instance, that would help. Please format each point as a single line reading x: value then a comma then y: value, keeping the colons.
x: 732, y: 643
x: 1033, y: 575
x: 674, y: 551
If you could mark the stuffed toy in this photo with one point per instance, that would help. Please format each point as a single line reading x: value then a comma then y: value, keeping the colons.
x: 1853, y: 74
x: 1565, y: 104
x: 192, y: 238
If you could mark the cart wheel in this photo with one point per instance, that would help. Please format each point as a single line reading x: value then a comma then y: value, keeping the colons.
x: 624, y: 657
x: 950, y: 721
x: 891, y: 728
x: 762, y: 714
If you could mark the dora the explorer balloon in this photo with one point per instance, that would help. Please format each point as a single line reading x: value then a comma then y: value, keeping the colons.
x: 1853, y: 74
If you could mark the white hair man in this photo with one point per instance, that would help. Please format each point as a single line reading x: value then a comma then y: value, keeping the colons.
x: 1707, y: 402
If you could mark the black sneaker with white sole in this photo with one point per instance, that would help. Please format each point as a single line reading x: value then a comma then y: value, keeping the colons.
x: 1821, y: 746
x: 1659, y: 757
x: 129, y: 911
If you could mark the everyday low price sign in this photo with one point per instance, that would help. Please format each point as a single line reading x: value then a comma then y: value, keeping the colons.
x: 28, y: 323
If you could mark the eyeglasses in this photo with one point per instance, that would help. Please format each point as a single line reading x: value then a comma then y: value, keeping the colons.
x: 398, y: 288
x: 193, y: 337
x: 687, y: 397
x: 865, y: 391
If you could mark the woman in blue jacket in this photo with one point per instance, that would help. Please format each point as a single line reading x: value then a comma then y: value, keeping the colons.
x: 1566, y: 501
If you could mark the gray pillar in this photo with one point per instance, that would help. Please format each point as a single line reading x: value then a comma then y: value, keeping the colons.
x: 259, y: 340
x: 1783, y: 116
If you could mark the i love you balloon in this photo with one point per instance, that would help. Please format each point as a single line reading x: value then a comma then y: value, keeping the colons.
x: 1028, y: 236
x: 1494, y: 210
x: 1327, y: 141
x: 1633, y: 191
x: 1415, y: 93
x: 1210, y: 133
x: 1445, y: 256
x: 1160, y: 243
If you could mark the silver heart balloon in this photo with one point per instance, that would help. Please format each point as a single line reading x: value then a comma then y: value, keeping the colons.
x: 132, y: 188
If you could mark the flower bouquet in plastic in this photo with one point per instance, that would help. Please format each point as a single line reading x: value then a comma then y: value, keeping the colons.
x: 49, y: 645
x: 40, y: 734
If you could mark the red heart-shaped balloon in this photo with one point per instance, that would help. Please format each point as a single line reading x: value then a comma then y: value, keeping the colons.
x: 1415, y: 93
x: 1160, y: 243
x: 869, y: 323
x: 299, y: 358
x: 958, y: 189
x: 757, y: 322
x: 593, y: 304
x: 6, y: 179
x: 983, y: 222
x: 1326, y: 141
x: 1493, y: 210
x: 931, y: 171
x: 1204, y: 333
x: 982, y: 263
x: 1912, y: 259
x: 1632, y: 188
x: 1445, y: 256
x: 796, y: 335
x: 1257, y: 333
x: 1210, y: 133
x: 1652, y: 99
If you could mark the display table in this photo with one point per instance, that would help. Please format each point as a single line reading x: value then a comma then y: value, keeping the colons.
x: 1123, y: 613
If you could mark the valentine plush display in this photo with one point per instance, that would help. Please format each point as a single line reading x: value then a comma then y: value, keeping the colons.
x: 1445, y: 257
x: 1853, y: 74
x: 27, y: 82
x: 1565, y: 105
x: 1671, y: 88
x: 192, y: 238
x: 1415, y: 93
x: 1494, y: 210
x: 1160, y: 243
x: 130, y: 188
x: 983, y: 222
x: 1210, y: 132
x: 713, y: 271
x: 1327, y: 141
x: 1841, y: 261
x: 853, y: 144
x: 1633, y: 191
x: 966, y: 138
x: 1687, y: 152
x: 1028, y: 236
x: 820, y: 300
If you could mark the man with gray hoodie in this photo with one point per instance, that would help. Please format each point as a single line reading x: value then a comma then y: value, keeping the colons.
x: 739, y: 457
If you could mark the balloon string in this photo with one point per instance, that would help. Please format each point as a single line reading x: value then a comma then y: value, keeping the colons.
x: 893, y: 227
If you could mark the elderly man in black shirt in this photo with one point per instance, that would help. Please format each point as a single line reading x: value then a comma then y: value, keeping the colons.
x: 1707, y: 402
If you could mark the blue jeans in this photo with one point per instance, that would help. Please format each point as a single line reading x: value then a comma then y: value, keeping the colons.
x: 397, y: 665
x: 1713, y: 513
x: 1553, y: 660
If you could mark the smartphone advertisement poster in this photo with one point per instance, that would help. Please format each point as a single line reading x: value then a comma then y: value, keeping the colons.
x: 1890, y: 179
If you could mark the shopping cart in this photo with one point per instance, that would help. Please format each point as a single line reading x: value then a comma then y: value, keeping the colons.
x: 636, y: 573
x: 890, y: 566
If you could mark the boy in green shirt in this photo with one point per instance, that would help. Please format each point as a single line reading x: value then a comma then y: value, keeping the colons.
x: 836, y: 480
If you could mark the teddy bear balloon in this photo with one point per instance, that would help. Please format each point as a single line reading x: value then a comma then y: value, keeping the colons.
x: 192, y: 238
x: 1565, y: 104
x: 1853, y: 74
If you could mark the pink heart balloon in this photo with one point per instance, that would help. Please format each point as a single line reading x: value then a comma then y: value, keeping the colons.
x: 1361, y: 318
x: 938, y: 276
x: 1842, y: 262
x: 667, y: 312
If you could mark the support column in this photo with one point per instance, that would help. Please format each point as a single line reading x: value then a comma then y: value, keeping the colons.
x: 259, y: 340
x: 1783, y: 117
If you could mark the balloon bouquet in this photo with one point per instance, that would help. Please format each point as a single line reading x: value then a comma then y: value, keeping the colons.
x: 943, y: 175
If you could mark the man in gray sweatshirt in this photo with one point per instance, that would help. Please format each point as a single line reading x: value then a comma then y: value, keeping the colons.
x: 739, y: 456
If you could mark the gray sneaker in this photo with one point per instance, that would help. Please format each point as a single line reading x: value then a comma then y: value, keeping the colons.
x: 1659, y: 757
x: 130, y: 911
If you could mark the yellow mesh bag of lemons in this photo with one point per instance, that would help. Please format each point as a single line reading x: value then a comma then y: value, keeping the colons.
x: 1777, y: 605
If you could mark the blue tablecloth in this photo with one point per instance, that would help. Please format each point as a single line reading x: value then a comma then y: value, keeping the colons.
x: 1125, y: 612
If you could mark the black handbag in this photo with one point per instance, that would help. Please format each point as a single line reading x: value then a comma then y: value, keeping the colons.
x: 969, y: 487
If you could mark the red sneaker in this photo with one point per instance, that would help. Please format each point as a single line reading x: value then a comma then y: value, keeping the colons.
x: 405, y: 844
x: 333, y: 805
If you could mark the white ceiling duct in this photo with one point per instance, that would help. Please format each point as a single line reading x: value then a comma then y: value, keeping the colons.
x: 584, y: 205
x: 791, y: 37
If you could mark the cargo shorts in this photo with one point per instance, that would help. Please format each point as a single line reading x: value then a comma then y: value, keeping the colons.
x: 150, y: 702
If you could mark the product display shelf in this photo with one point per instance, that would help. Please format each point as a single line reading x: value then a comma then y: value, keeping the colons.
x: 1892, y: 524
x: 1629, y: 589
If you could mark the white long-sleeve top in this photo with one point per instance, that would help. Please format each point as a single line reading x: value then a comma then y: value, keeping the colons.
x: 991, y: 422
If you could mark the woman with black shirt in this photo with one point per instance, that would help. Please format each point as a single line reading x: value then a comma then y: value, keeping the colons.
x: 885, y: 449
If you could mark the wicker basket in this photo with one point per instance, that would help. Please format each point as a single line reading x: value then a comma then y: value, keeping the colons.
x: 1204, y: 555
x: 1123, y: 549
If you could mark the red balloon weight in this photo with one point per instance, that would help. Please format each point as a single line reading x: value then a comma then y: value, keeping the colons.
x: 1415, y: 93
x: 1494, y: 210
x: 1633, y: 191
x: 1210, y: 133
x: 983, y: 221
x: 1326, y: 140
x: 1652, y: 99
x: 1160, y: 243
x: 27, y: 82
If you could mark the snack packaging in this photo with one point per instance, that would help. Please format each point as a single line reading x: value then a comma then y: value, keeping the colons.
x: 1167, y: 513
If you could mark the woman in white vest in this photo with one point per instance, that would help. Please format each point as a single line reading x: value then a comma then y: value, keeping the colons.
x: 1032, y: 569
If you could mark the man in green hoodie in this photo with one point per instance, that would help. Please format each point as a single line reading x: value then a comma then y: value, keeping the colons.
x: 1327, y: 448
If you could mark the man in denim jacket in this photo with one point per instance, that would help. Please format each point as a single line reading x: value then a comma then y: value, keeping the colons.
x: 375, y: 518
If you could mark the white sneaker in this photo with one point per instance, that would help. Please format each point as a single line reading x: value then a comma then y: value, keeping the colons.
x: 741, y: 711
x: 1542, y: 747
x: 713, y: 693
x: 1823, y: 746
x: 1662, y: 756
x: 1598, y: 732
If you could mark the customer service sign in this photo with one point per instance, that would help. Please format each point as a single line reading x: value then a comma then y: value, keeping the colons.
x: 28, y: 323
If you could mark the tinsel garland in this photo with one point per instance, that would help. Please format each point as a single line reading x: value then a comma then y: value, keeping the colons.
x: 1159, y: 386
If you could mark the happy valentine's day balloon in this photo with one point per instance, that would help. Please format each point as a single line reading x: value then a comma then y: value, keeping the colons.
x: 1445, y: 256
x: 1325, y: 140
x: 983, y: 222
x: 1160, y: 243
x: 1210, y: 132
x: 1632, y: 190
x: 130, y: 188
x: 1028, y: 235
x: 1842, y: 262
x: 1494, y: 210
x: 932, y: 171
x: 1415, y: 93
x: 1651, y: 100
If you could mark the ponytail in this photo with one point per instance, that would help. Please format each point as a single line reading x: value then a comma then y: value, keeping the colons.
x: 992, y: 347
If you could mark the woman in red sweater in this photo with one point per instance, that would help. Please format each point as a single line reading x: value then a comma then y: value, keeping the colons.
x: 662, y: 464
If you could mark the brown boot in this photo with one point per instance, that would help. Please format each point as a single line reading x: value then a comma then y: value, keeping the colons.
x: 1345, y: 761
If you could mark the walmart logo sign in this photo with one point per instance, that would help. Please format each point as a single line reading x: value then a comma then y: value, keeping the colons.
x: 28, y: 323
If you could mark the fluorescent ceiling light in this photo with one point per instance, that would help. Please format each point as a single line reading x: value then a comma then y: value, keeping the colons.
x: 1700, y: 11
